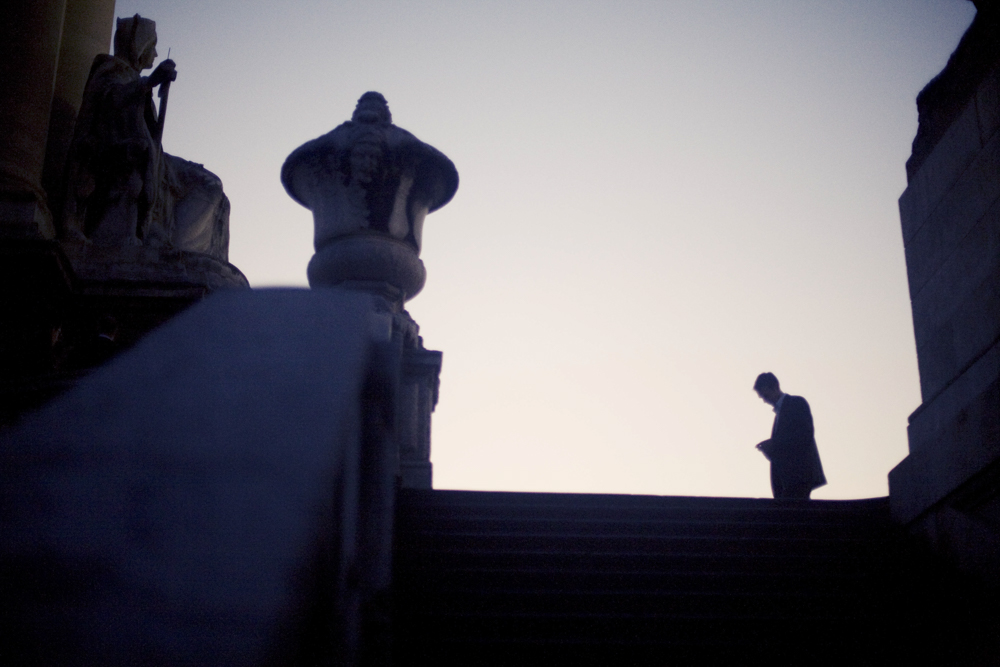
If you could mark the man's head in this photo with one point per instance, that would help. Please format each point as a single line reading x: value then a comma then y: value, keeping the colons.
x: 768, y: 388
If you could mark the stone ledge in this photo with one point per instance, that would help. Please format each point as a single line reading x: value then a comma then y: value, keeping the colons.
x: 95, y: 265
x: 947, y: 445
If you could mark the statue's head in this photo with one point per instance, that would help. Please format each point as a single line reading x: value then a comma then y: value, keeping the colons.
x: 135, y: 41
x: 372, y: 108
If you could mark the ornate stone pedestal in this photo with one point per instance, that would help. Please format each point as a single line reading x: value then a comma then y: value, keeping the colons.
x: 370, y: 185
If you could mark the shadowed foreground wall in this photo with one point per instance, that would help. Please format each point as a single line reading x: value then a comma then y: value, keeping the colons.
x: 196, y: 501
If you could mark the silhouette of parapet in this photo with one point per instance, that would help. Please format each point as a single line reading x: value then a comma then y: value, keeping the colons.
x: 369, y: 185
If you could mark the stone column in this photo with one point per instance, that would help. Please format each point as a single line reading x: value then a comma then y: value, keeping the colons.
x: 418, y: 396
x: 30, y: 34
x: 86, y: 32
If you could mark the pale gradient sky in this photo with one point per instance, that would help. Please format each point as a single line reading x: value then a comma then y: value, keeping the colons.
x: 658, y: 201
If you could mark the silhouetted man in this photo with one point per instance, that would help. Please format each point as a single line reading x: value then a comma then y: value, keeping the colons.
x: 795, y: 466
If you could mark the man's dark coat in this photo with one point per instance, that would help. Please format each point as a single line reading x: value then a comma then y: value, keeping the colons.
x: 795, y: 464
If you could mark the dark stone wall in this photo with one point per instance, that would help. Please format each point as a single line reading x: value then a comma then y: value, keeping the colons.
x: 950, y: 215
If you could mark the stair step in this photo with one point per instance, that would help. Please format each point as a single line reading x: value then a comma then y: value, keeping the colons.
x: 683, y: 561
x: 672, y: 527
x: 767, y: 646
x: 722, y: 604
x: 496, y: 500
x: 506, y: 578
x: 822, y: 635
x: 666, y: 581
x: 530, y: 545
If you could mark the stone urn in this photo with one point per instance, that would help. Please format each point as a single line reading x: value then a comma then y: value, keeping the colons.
x: 369, y: 185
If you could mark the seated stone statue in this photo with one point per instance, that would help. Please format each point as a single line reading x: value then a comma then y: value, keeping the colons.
x: 122, y: 189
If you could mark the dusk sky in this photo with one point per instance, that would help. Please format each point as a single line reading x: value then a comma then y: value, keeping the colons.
x: 657, y: 201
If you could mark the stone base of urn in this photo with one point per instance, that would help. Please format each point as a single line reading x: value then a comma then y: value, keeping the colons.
x: 368, y: 258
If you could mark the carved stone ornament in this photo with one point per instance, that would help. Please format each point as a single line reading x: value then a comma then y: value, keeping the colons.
x: 369, y: 185
x: 132, y: 211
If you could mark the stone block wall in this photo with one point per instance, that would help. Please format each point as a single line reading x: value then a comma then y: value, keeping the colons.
x: 950, y: 215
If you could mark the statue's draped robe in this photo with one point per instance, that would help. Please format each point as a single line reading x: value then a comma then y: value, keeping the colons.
x: 122, y: 188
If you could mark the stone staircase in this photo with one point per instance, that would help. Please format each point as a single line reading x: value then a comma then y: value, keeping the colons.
x: 538, y: 578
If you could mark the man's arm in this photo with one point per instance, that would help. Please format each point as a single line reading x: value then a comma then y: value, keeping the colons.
x: 765, y: 447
